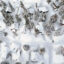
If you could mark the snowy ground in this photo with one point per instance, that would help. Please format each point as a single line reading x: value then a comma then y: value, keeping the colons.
x: 41, y: 46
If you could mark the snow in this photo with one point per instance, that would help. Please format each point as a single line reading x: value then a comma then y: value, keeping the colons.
x: 18, y: 35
